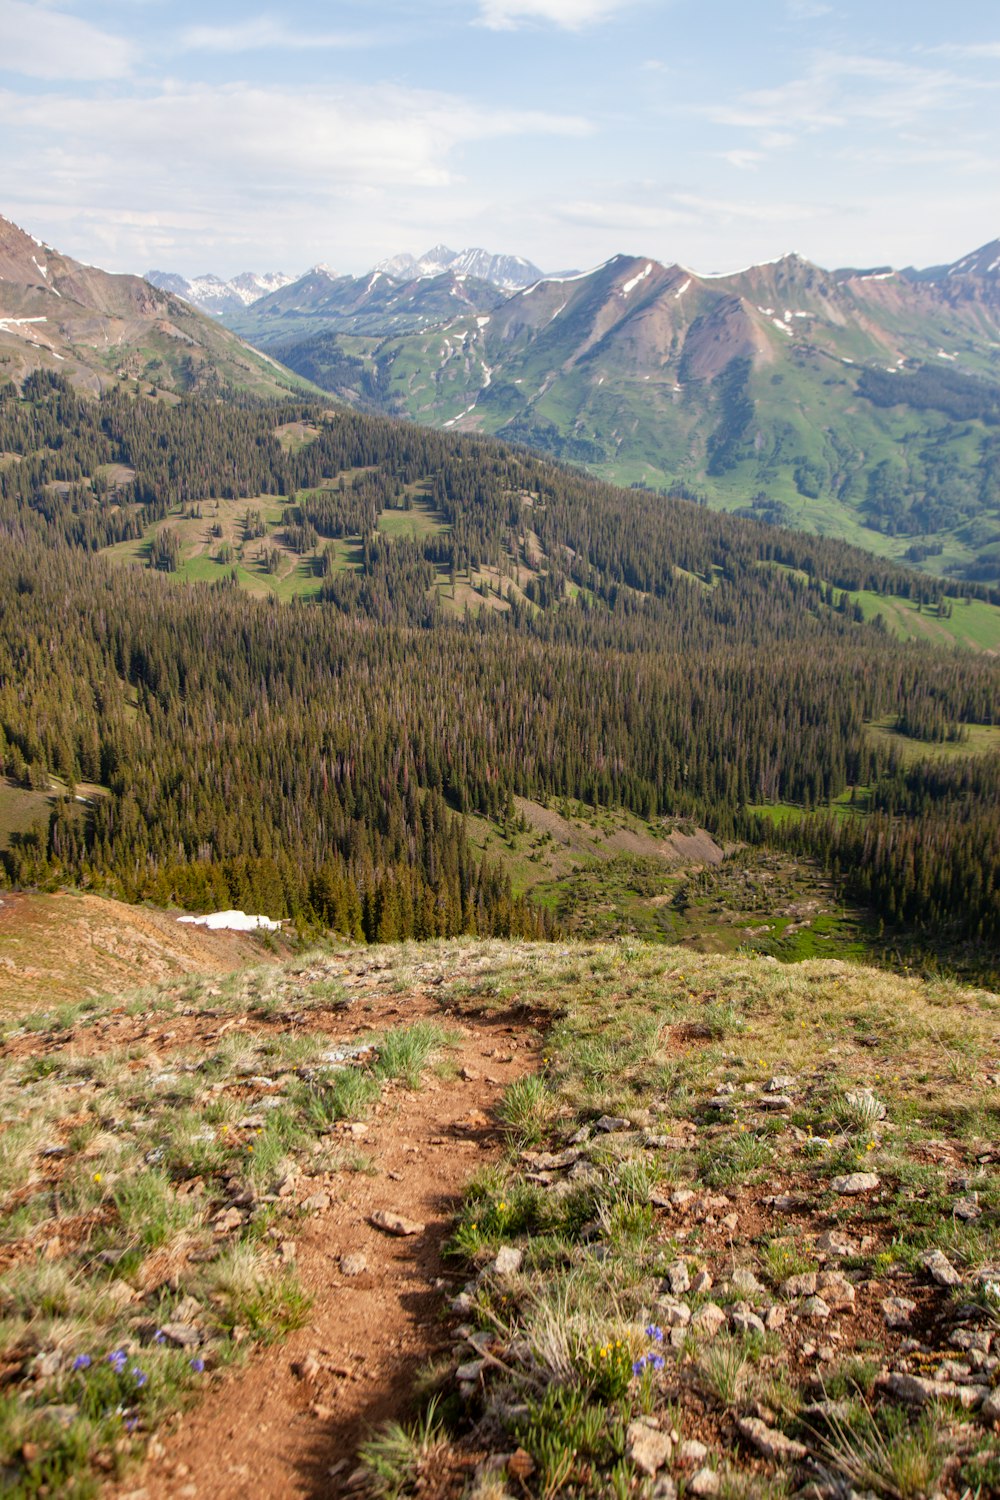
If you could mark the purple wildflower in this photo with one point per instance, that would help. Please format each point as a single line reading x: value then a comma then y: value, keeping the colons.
x: 656, y: 1361
x: 197, y: 1365
x: 655, y: 1332
x: 119, y: 1359
x: 639, y: 1366
x: 159, y: 1336
x: 139, y: 1376
x: 82, y: 1362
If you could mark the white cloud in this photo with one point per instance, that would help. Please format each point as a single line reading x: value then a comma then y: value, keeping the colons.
x: 260, y: 32
x: 807, y: 10
x: 295, y: 175
x: 39, y: 42
x: 573, y: 15
x: 843, y: 90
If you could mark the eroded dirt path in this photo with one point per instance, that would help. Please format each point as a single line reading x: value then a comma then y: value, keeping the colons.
x: 289, y: 1422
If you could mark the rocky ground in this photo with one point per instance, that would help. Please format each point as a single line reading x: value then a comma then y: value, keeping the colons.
x: 482, y: 1220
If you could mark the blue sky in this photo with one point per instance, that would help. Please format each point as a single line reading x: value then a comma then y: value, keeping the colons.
x: 223, y: 136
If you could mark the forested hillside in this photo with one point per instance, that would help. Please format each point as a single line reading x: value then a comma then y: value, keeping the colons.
x: 546, y: 636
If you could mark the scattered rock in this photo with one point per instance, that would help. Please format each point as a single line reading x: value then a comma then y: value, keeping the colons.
x: 673, y: 1314
x: 708, y: 1320
x: 308, y: 1367
x: 816, y: 1308
x: 897, y: 1311
x: 774, y: 1317
x: 678, y: 1278
x: 802, y: 1285
x: 391, y: 1223
x: 744, y: 1319
x: 228, y: 1220
x: 835, y: 1290
x: 702, y: 1282
x: 470, y: 1075
x: 835, y: 1242
x: 704, y: 1484
x: 855, y: 1183
x: 774, y: 1101
x: 745, y: 1281
x: 692, y: 1452
x: 316, y: 1203
x: 966, y: 1208
x: 508, y: 1261
x: 647, y: 1447
x: 942, y: 1272
x: 353, y: 1264
x: 769, y: 1441
x: 183, y: 1335
x: 470, y: 1371
x: 990, y: 1409
x: 612, y: 1123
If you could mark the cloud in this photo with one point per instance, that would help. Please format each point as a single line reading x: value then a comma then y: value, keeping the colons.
x: 843, y: 90
x: 807, y: 10
x: 572, y: 15
x: 321, y: 171
x: 260, y: 32
x: 39, y: 42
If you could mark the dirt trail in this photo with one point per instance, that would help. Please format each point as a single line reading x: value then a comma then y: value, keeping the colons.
x: 288, y: 1423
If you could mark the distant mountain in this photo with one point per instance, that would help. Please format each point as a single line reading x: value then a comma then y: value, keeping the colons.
x: 857, y: 402
x: 376, y: 303
x: 97, y: 328
x: 213, y: 295
x: 508, y: 272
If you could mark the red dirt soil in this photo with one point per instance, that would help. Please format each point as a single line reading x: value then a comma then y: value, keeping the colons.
x: 288, y: 1423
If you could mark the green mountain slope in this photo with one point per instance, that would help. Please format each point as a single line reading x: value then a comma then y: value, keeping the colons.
x: 855, y: 404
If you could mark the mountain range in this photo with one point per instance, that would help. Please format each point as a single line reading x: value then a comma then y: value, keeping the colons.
x: 99, y: 329
x: 855, y: 402
x: 214, y: 294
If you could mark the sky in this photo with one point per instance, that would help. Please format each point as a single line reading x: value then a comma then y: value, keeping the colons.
x: 140, y: 134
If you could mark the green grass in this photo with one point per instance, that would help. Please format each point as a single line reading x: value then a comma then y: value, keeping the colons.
x: 972, y: 623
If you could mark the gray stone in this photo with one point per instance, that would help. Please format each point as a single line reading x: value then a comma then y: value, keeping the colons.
x: 990, y: 1409
x: 802, y: 1285
x: 354, y: 1264
x: 704, y: 1484
x: 743, y: 1280
x: 182, y: 1335
x: 673, y: 1314
x: 681, y: 1197
x: 775, y: 1317
x: 647, y: 1447
x: 835, y: 1290
x: 774, y: 1101
x: 678, y: 1278
x: 941, y: 1270
x: 470, y: 1371
x: 612, y: 1123
x: 816, y: 1308
x: 966, y: 1208
x: 835, y: 1242
x: 708, y: 1320
x: 692, y: 1452
x: 744, y: 1319
x: 855, y: 1183
x: 897, y: 1311
x: 702, y: 1282
x: 391, y: 1223
x: 769, y: 1441
x: 316, y: 1203
x: 508, y: 1261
